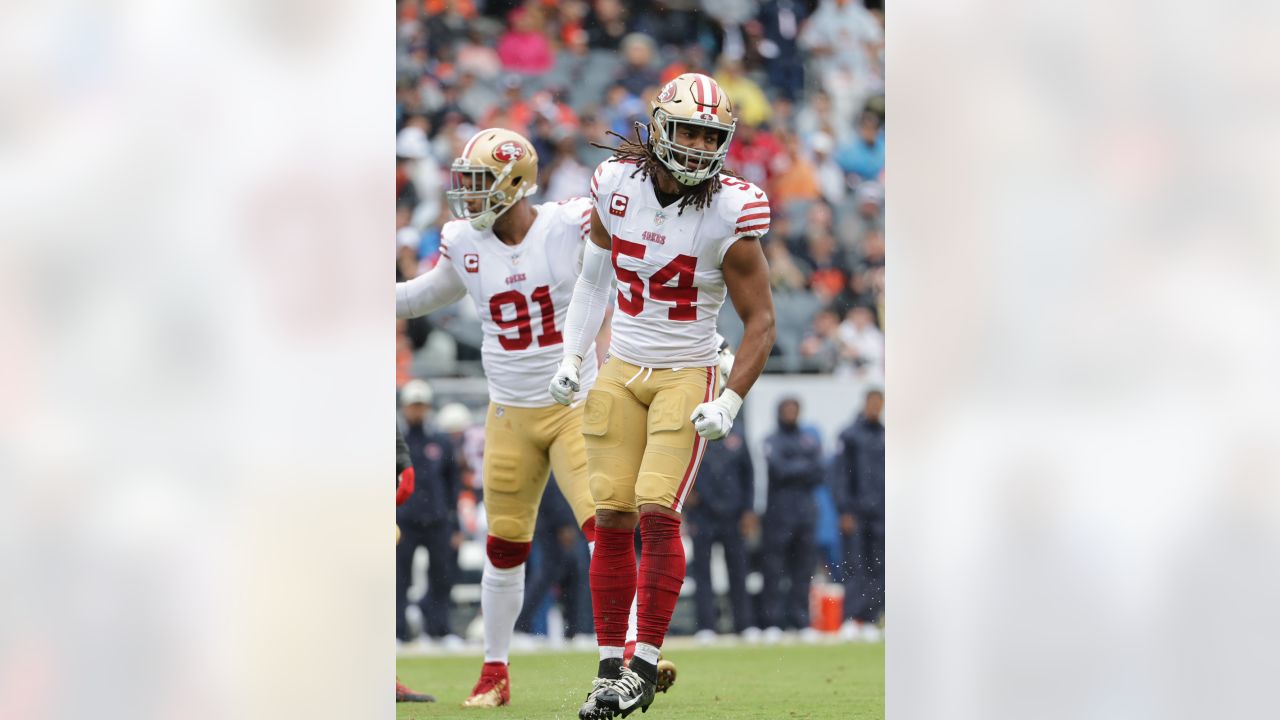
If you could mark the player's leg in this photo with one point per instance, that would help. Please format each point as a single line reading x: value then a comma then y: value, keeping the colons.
x: 701, y: 533
x: 775, y: 535
x: 804, y: 558
x: 569, y: 466
x: 410, y: 539
x: 673, y: 451
x: 735, y: 560
x: 441, y: 559
x: 568, y: 455
x: 515, y: 474
x: 612, y: 428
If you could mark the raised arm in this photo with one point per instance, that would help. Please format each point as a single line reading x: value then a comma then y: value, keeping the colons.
x: 438, y: 287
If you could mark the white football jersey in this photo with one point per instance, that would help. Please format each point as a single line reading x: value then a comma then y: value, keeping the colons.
x: 522, y: 294
x: 670, y: 287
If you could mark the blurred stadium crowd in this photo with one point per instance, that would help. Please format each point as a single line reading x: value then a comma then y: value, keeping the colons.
x: 807, y: 79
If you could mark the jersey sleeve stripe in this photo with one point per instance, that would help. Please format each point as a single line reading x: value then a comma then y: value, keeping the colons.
x: 752, y: 228
x: 760, y: 203
x: 753, y: 216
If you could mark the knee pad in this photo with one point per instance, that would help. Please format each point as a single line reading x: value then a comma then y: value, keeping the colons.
x: 507, y: 553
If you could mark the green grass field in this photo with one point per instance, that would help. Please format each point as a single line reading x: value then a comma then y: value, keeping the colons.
x: 778, y: 682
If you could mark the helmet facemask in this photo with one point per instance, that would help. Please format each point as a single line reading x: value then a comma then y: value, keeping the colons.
x: 478, y: 182
x: 684, y: 162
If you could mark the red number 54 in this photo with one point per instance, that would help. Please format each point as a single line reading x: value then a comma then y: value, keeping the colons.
x: 683, y: 293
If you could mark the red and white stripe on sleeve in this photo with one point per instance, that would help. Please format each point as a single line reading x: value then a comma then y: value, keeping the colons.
x: 586, y: 224
x: 595, y: 182
x: 754, y: 218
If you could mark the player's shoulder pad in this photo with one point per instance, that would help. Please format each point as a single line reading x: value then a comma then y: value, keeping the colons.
x: 609, y: 174
x: 575, y: 213
x: 575, y: 210
x: 453, y: 234
x: 743, y: 206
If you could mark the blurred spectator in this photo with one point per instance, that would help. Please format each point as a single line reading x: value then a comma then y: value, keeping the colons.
x: 556, y: 564
x: 524, y: 48
x: 692, y: 58
x: 638, y: 72
x: 749, y: 100
x: 872, y: 251
x: 593, y: 130
x: 429, y: 518
x: 863, y: 155
x: 857, y: 484
x: 751, y: 154
x: 868, y: 216
x: 566, y: 176
x: 475, y: 99
x: 477, y: 57
x: 817, y: 117
x: 844, y: 40
x: 831, y: 182
x: 857, y: 291
x: 794, y: 460
x: 784, y: 272
x: 827, y: 261
x: 422, y: 170
x: 622, y: 110
x: 822, y: 347
x: 719, y: 510
x: 408, y: 241
x: 731, y: 14
x: 606, y: 25
x: 865, y: 344
x: 514, y: 112
x: 795, y: 178
x: 780, y: 21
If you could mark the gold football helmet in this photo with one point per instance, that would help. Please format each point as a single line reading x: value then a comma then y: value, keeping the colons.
x: 693, y: 99
x: 497, y: 169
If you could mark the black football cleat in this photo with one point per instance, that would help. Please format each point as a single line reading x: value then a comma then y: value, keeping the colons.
x: 590, y: 710
x: 630, y: 692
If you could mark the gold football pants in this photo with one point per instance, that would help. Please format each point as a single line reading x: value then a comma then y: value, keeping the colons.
x: 641, y: 445
x: 520, y: 446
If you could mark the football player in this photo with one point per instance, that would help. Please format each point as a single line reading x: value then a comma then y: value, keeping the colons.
x: 677, y: 234
x: 519, y: 262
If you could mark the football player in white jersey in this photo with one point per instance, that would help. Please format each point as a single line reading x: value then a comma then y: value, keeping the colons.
x: 518, y: 262
x: 678, y: 235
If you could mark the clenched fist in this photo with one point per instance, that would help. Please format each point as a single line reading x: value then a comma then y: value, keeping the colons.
x: 565, y: 382
x: 713, y: 420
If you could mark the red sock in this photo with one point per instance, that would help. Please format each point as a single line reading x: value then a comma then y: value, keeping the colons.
x: 661, y: 575
x: 613, y: 584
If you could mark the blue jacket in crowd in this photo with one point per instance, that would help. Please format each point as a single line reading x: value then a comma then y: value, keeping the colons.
x: 726, y: 480
x: 858, y: 471
x: 795, y: 460
x: 436, y: 478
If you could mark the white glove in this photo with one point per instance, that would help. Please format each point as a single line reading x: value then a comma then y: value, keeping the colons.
x: 726, y: 366
x: 565, y: 382
x: 713, y: 420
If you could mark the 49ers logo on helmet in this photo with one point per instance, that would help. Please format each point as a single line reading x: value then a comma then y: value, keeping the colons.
x: 668, y: 92
x: 508, y: 151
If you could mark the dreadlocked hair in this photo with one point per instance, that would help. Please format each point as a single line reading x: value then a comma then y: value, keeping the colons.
x: 647, y: 163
